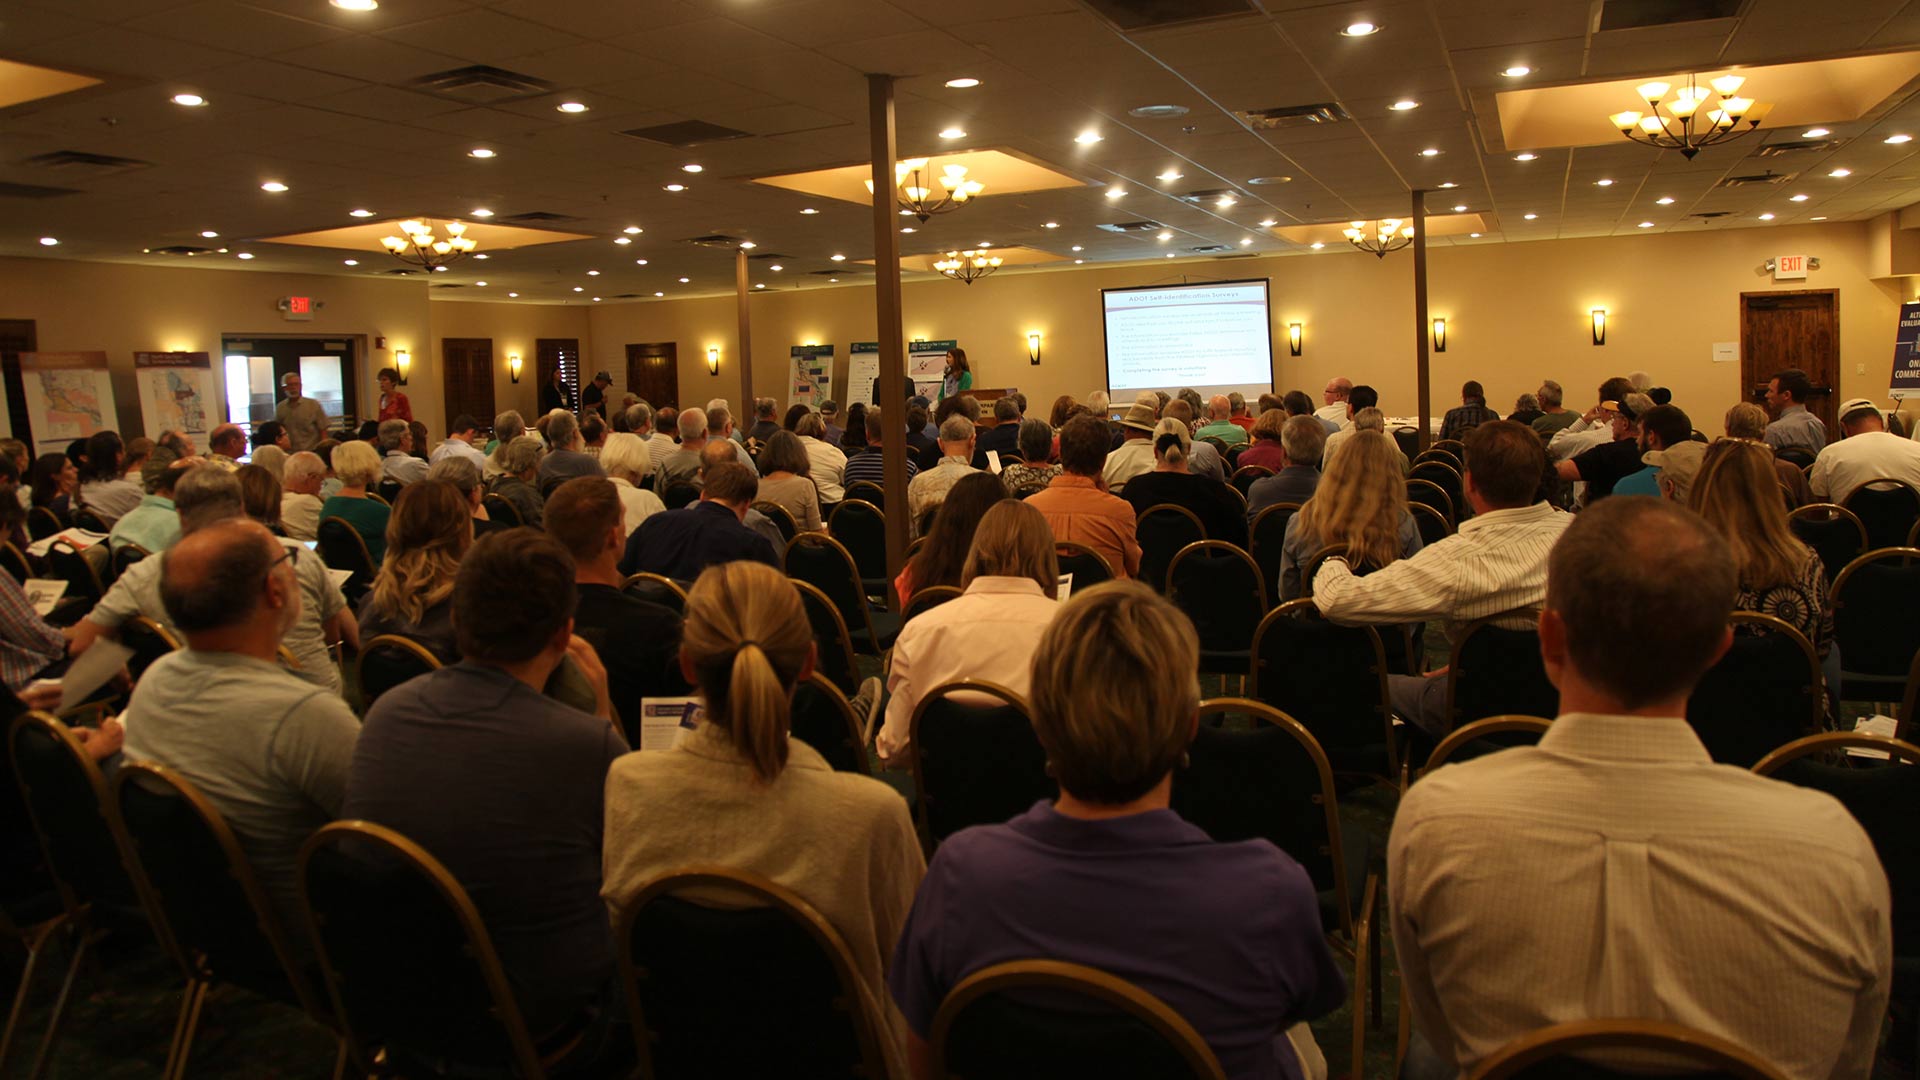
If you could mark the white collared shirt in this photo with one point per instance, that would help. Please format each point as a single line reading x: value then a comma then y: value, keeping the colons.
x: 458, y: 448
x: 1579, y: 437
x: 1854, y: 460
x: 1615, y: 870
x: 828, y: 463
x: 1336, y: 412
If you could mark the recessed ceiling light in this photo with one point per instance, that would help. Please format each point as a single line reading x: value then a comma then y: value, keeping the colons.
x: 1603, y: 182
x: 593, y: 273
x: 1404, y: 104
x: 1077, y: 247
x: 1431, y: 151
x: 1360, y: 29
x: 1317, y: 245
x: 355, y: 5
x: 1766, y: 217
x: 513, y: 294
x: 571, y: 107
x: 1646, y: 225
x: 837, y: 257
x: 191, y: 101
x: 1051, y: 225
x: 359, y: 213
x: 1170, y: 254
x: 1460, y: 209
x: 1116, y: 191
x: 1449, y: 184
x: 244, y: 255
x: 1164, y: 235
x: 1224, y: 201
x: 683, y: 281
x: 223, y: 251
x: 953, y: 133
x: 480, y: 212
x: 1815, y: 133
x: 1263, y: 181
x: 1245, y: 241
x: 776, y: 267
x: 693, y: 168
x: 1797, y: 198
x: 833, y: 279
x: 909, y: 229
x: 480, y: 284
x: 1473, y: 236
x: 577, y: 288
x: 659, y: 294
x: 480, y: 152
x: 1517, y: 71
x: 351, y: 262
x: 483, y: 255
x: 759, y: 284
x: 1664, y: 200
x: 596, y: 299
x: 1088, y: 138
x: 1896, y: 140
x: 623, y: 239
x: 676, y: 187
x: 49, y: 241
x: 208, y: 234
x: 1530, y: 217
x: 962, y: 84
x: 747, y: 245
x: 1821, y: 217
x: 274, y: 186
x: 1525, y: 157
x: 1268, y: 223
x: 1077, y: 262
x: 1840, y: 173
x: 1169, y: 176
x: 631, y: 230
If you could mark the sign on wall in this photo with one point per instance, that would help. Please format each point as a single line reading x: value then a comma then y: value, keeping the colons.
x: 1789, y: 268
x: 926, y: 366
x: 809, y: 375
x: 1906, y: 352
x: 176, y: 391
x: 69, y: 396
x: 863, y: 372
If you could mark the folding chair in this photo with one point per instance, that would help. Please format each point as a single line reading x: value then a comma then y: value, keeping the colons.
x: 822, y: 562
x: 1221, y: 590
x: 1887, y: 507
x: 657, y: 589
x: 861, y: 528
x: 1333, y: 681
x: 1265, y: 539
x: 1762, y: 695
x: 974, y: 764
x: 1497, y: 671
x: 1872, y: 599
x: 1088, y: 567
x: 386, y: 661
x: 824, y: 719
x: 1552, y: 1051
x: 1162, y: 531
x: 1832, y: 531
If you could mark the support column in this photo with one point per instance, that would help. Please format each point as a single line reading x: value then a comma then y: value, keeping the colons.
x: 745, y: 346
x: 888, y: 329
x: 1421, y: 323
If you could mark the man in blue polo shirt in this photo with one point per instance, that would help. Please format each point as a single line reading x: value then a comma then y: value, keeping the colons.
x: 681, y: 543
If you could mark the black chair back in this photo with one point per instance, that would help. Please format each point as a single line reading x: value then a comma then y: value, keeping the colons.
x: 1162, y: 531
x: 1045, y: 1018
x: 866, y: 491
x: 680, y: 494
x: 926, y: 599
x: 1244, y: 476
x: 1088, y: 567
x: 1800, y: 456
x: 149, y: 641
x: 781, y: 517
x: 1452, y: 446
x: 342, y: 547
x: 820, y: 561
x: 657, y: 589
x: 1557, y: 1053
x: 1832, y: 532
x: 1265, y: 538
x: 1483, y: 737
x: 501, y: 509
x: 975, y: 764
x: 1873, y: 598
x: 1444, y: 457
x: 824, y: 720
x: 68, y: 802
x: 681, y: 954
x: 16, y: 562
x: 42, y: 522
x: 388, y: 660
x: 72, y: 565
x: 1330, y: 679
x: 1221, y: 590
x: 1496, y: 671
x: 1433, y: 524
x: 1421, y: 492
x: 389, y: 491
x: 1443, y: 475
x: 86, y: 517
x: 410, y: 970
x: 1762, y: 695
x: 835, y: 648
x: 1888, y: 512
x: 126, y: 555
x: 861, y: 528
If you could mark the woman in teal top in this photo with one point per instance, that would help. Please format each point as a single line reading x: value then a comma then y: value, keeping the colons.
x: 357, y: 466
x: 958, y: 378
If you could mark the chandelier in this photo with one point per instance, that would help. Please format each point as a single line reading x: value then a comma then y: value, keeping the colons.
x: 421, y: 248
x: 1386, y: 235
x: 922, y: 195
x: 967, y: 267
x: 1686, y: 124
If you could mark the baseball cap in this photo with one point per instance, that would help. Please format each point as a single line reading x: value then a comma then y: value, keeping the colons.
x: 1678, y: 465
x: 601, y: 376
x: 1618, y: 407
x: 1854, y: 405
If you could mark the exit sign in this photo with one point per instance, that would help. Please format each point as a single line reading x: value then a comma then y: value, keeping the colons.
x: 297, y: 308
x: 1790, y: 268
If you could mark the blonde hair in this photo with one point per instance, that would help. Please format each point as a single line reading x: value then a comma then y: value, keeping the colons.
x: 747, y: 637
x: 1738, y: 493
x: 1360, y: 500
x: 430, y: 528
x: 626, y: 456
x: 356, y: 463
x: 1746, y: 421
x: 1115, y: 690
x: 1013, y: 540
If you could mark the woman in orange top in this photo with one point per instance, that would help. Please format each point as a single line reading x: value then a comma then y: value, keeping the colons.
x: 393, y: 403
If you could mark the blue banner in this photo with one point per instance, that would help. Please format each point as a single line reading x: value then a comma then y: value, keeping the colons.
x: 1906, y: 353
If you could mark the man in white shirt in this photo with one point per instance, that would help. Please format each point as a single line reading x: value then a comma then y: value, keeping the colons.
x: 463, y: 441
x: 829, y: 461
x: 396, y: 446
x: 1134, y: 455
x: 929, y: 487
x: 1336, y: 396
x: 1496, y: 563
x: 1363, y: 399
x: 1866, y: 451
x: 1595, y: 428
x: 1615, y: 870
x: 300, y: 502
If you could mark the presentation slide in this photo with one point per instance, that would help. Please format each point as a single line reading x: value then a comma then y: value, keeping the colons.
x: 1214, y: 337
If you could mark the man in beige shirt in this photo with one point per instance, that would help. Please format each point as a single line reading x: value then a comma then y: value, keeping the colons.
x: 1615, y: 871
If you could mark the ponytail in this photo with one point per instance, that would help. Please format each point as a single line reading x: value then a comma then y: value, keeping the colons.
x: 1168, y: 447
x: 747, y: 636
x: 759, y: 711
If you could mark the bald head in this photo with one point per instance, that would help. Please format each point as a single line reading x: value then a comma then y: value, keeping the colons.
x: 1337, y: 390
x: 1219, y: 407
x: 717, y: 452
x: 227, y: 577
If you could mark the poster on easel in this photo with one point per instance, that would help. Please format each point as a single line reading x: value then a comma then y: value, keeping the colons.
x: 175, y: 389
x: 1906, y: 353
x: 927, y: 366
x: 809, y: 375
x: 69, y: 396
x: 863, y: 373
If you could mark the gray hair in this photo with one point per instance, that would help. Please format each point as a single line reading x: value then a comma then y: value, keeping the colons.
x: 1304, y: 439
x: 1006, y: 409
x: 391, y: 432
x: 509, y: 426
x: 521, y: 454
x: 1097, y: 403
x: 1549, y: 394
x: 205, y: 495
x: 1237, y: 401
x: 639, y: 416
x: 1527, y: 403
x: 1641, y: 381
x: 1367, y: 419
x: 956, y: 429
x: 716, y: 405
x: 693, y: 425
x: 1036, y: 440
x: 271, y: 458
x: 718, y: 418
x: 626, y: 456
x: 458, y: 471
x: 563, y: 431
x: 228, y: 593
x: 303, y: 466
x: 811, y: 426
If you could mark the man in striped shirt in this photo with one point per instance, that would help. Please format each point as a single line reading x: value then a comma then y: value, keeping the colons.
x: 869, y: 464
x: 1496, y: 563
x: 1615, y: 871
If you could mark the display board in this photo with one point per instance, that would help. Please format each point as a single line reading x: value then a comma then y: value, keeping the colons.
x: 927, y: 366
x: 809, y: 375
x: 1215, y: 337
x: 1906, y: 353
x: 863, y: 373
x: 176, y: 389
x: 69, y: 396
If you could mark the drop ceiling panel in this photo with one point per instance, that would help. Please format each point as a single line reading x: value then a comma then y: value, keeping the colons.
x: 241, y: 28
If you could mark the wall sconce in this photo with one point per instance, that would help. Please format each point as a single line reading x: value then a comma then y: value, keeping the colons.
x: 713, y: 361
x: 1033, y: 347
x: 1293, y: 339
x: 513, y: 366
x: 1439, y: 335
x: 1599, y: 326
x: 403, y: 363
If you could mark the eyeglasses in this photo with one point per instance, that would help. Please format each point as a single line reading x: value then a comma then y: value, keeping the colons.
x: 290, y: 555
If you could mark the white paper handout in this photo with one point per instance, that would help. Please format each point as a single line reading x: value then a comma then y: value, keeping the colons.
x: 993, y: 461
x: 1883, y: 726
x: 340, y: 577
x: 44, y: 593
x: 662, y: 719
x: 81, y: 539
x: 1066, y: 587
x: 91, y: 670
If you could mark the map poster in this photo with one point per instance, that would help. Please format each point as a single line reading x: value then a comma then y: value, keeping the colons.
x: 809, y: 375
x: 175, y: 388
x: 69, y: 396
x: 926, y: 366
x: 863, y: 373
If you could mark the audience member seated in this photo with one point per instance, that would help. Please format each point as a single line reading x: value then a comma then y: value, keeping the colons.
x: 273, y: 433
x: 1337, y: 402
x: 828, y: 463
x: 507, y: 427
x: 104, y: 488
x: 765, y: 420
x: 260, y: 496
x: 52, y: 481
x: 638, y: 642
x: 465, y: 478
x: 1077, y: 506
x: 153, y: 525
x: 13, y: 504
x: 520, y: 463
x: 358, y: 469
x: 1204, y: 460
x: 1865, y: 451
x: 271, y: 458
x: 503, y: 784
x: 1220, y: 511
x: 679, y: 544
x: 1526, y: 891
x: 1237, y: 412
x: 1664, y: 427
x: 1553, y: 418
x: 682, y: 466
x: 399, y: 465
x: 226, y: 445
x: 412, y: 596
x: 1471, y: 413
x: 30, y: 647
x: 1302, y: 442
x: 931, y: 485
x: 870, y: 463
x: 268, y: 748
x: 1011, y: 578
x: 1134, y: 456
x: 1220, y: 419
x: 565, y: 458
x: 1749, y: 421
x: 463, y: 439
x: 593, y: 437
x: 1037, y: 471
x: 1237, y: 947
x: 1297, y: 403
x: 1264, y: 450
x: 1595, y: 428
x: 853, y: 437
x: 1793, y: 425
x: 1526, y: 409
x: 765, y: 804
x: 300, y: 503
x: 1003, y: 437
x: 784, y: 480
x: 942, y: 559
x: 919, y: 442
x: 629, y: 463
x: 1495, y: 563
x: 1607, y: 464
x: 1362, y: 508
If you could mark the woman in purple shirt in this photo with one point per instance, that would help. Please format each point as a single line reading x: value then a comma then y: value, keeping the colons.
x: 1228, y: 935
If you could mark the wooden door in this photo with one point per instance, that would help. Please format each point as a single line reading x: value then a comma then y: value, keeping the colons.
x: 1798, y: 329
x: 17, y: 336
x: 653, y: 372
x: 562, y: 354
x: 468, y: 367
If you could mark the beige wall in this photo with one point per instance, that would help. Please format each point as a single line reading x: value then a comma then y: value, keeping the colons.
x: 513, y: 328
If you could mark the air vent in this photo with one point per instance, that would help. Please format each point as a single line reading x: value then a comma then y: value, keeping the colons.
x: 33, y: 191
x: 625, y: 296
x: 82, y: 161
x: 764, y: 256
x: 450, y: 285
x: 1265, y: 180
x: 714, y: 240
x: 686, y: 133
x: 1131, y: 15
x: 1640, y: 14
x: 1143, y: 225
x: 1712, y: 214
x: 1211, y: 249
x: 1158, y: 112
x: 400, y: 272
x: 540, y: 216
x: 1291, y: 116
x: 180, y: 249
x: 1768, y: 177
x: 1795, y: 146
x: 1208, y: 195
x: 482, y: 85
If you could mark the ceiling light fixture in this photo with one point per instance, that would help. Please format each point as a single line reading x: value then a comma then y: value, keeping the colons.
x: 1460, y: 209
x: 747, y: 245
x: 693, y: 168
x: 355, y: 5
x: 1317, y: 245
x: 483, y: 255
x: 1679, y: 128
x: 1116, y: 191
x: 351, y: 262
x: 593, y: 273
x: 208, y: 234
x: 1525, y: 157
x: 659, y: 294
x: 1664, y: 200
x: 1170, y: 176
x: 480, y: 152
x: 360, y: 213
x: 1088, y: 138
x: 632, y: 230
x: 513, y: 294
x: 1821, y: 217
x: 676, y: 187
x: 1268, y: 223
x: 49, y: 241
x: 1517, y: 71
x: 1841, y: 174
x: 244, y: 255
x: 479, y: 284
x: 578, y: 288
x: 623, y: 239
x: 274, y: 186
x: 1051, y: 225
x: 1530, y: 217
x: 1224, y: 201
x: 571, y: 107
x: 1766, y: 217
x: 1078, y: 247
x: 1815, y: 133
x: 967, y: 267
x: 953, y: 133
x: 917, y: 194
x: 683, y: 281
x: 908, y: 229
x: 480, y: 212
x: 776, y: 268
x: 1379, y: 237
x: 1246, y: 241
x: 191, y: 101
x: 1603, y: 182
x: 421, y: 248
x: 759, y: 285
x: 1360, y: 29
x: 1404, y: 104
x: 962, y: 83
x: 1896, y: 140
x: 1797, y: 198
x: 1431, y: 151
x: 1646, y: 225
x: 1163, y: 237
x: 836, y: 257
